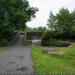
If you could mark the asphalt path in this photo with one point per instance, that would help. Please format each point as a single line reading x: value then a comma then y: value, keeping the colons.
x: 16, y: 59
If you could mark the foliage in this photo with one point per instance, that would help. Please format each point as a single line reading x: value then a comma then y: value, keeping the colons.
x: 7, y: 35
x: 52, y: 22
x: 27, y: 42
x: 55, y: 43
x: 39, y: 29
x: 45, y: 63
x: 3, y: 42
x: 53, y: 38
x: 49, y: 35
x: 14, y: 14
x: 64, y: 21
x: 61, y: 26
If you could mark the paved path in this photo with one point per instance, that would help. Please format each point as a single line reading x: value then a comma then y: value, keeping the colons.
x: 16, y: 59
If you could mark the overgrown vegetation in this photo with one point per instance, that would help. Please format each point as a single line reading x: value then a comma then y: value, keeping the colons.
x: 6, y: 37
x: 52, y: 38
x: 14, y: 14
x: 45, y: 63
x: 63, y: 21
x: 27, y: 42
x: 61, y: 27
x: 3, y: 42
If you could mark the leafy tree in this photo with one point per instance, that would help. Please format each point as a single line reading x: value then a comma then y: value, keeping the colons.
x: 41, y: 28
x: 14, y: 14
x: 64, y: 21
x: 73, y: 20
x: 52, y: 22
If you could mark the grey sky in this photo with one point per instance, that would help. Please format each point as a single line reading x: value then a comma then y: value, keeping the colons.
x: 45, y: 6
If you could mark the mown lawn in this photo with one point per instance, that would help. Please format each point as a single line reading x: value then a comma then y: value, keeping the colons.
x: 45, y: 63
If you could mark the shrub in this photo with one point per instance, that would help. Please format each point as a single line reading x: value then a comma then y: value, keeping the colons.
x: 27, y: 42
x: 56, y: 43
x: 3, y: 42
x: 59, y: 35
x: 52, y: 38
x: 47, y: 36
x: 9, y: 35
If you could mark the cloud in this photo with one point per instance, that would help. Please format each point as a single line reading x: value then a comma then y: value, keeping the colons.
x: 44, y: 9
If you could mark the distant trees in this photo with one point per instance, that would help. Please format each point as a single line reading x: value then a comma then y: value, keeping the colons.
x: 41, y: 28
x: 38, y: 29
x: 64, y: 21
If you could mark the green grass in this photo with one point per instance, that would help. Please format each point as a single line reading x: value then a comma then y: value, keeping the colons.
x: 1, y: 49
x: 45, y: 63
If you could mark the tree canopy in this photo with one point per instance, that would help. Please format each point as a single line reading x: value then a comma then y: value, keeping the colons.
x: 63, y: 21
x: 14, y: 14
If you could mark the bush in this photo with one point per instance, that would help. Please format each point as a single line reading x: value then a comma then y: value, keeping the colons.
x: 55, y: 43
x: 52, y: 38
x: 9, y: 35
x: 3, y: 42
x: 27, y: 42
x: 48, y: 34
x: 58, y: 35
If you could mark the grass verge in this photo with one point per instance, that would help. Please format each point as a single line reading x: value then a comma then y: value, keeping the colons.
x: 1, y: 50
x: 45, y: 63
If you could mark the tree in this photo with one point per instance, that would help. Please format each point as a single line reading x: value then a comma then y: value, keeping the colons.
x: 41, y: 28
x: 63, y: 21
x: 52, y: 22
x: 14, y: 14
x: 73, y: 20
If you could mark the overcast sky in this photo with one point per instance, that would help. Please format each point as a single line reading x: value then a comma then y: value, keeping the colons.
x: 45, y: 6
